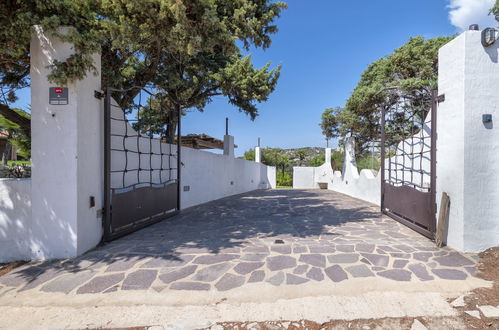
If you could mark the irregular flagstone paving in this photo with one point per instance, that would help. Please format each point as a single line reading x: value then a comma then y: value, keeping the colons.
x: 282, y: 237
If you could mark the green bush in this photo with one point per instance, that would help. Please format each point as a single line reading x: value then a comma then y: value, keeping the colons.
x: 368, y: 162
x: 336, y: 161
x: 284, y: 179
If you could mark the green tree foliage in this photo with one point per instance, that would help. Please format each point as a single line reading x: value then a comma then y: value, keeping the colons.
x: 249, y: 155
x: 275, y: 157
x: 316, y: 161
x: 284, y: 179
x: 368, y: 162
x: 16, y: 20
x: 186, y: 51
x: 329, y: 123
x: 336, y: 161
x: 404, y: 78
x: 16, y: 135
x: 271, y: 157
x: 495, y: 10
x: 301, y: 155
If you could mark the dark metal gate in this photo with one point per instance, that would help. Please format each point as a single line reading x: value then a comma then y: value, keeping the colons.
x: 141, y: 163
x: 408, y: 164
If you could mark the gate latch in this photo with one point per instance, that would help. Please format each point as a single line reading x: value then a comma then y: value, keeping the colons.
x: 98, y: 94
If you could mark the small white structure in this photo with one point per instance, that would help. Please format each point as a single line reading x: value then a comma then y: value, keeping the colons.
x: 258, y: 155
x: 229, y: 145
x: 364, y: 186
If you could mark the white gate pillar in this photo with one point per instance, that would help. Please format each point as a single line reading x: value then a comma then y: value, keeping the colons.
x: 229, y: 145
x: 258, y: 155
x: 467, y: 146
x: 67, y: 155
x: 328, y: 156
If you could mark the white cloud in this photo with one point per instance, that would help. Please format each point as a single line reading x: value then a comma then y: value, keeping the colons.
x: 463, y: 13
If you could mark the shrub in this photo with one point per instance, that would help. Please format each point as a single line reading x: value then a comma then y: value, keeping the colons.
x: 284, y: 179
x: 368, y: 162
x: 336, y: 161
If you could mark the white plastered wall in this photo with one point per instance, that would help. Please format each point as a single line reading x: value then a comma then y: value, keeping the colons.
x: 208, y: 176
x: 363, y: 186
x: 366, y: 185
x: 15, y: 219
x: 67, y: 151
x: 468, y: 149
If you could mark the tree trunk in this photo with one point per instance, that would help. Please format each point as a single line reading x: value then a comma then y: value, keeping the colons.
x: 172, y: 125
x: 9, y: 114
x: 171, y: 132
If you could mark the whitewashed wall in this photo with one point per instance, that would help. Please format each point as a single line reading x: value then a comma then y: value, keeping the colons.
x: 366, y: 185
x: 211, y: 176
x: 467, y: 148
x: 67, y: 155
x: 303, y: 177
x: 15, y: 219
x: 208, y: 176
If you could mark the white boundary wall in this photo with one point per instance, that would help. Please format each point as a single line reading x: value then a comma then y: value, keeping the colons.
x: 15, y: 219
x: 363, y: 186
x: 467, y: 148
x: 208, y: 176
x: 211, y: 176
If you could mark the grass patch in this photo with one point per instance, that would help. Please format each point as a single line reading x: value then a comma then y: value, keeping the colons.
x: 19, y: 162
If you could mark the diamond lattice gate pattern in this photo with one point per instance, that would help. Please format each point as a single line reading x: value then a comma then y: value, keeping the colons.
x: 408, y: 150
x: 142, y: 163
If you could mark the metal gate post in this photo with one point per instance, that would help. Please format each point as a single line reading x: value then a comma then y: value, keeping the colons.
x: 433, y: 157
x: 382, y: 159
x: 179, y: 161
x: 107, y: 165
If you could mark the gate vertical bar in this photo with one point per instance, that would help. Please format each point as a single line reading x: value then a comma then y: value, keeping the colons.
x: 179, y: 161
x: 433, y: 160
x: 382, y: 158
x: 107, y: 165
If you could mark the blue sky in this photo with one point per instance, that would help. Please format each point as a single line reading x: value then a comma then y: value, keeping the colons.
x: 324, y: 46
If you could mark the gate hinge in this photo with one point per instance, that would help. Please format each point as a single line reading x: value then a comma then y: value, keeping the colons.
x: 441, y: 98
x: 99, y: 94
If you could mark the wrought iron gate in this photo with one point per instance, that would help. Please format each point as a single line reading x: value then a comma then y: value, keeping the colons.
x: 408, y: 164
x: 141, y: 167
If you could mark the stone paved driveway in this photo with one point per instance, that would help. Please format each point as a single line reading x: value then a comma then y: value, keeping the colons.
x: 281, y: 237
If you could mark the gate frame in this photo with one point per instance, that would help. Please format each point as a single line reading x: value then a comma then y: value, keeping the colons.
x: 430, y: 232
x: 109, y: 235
